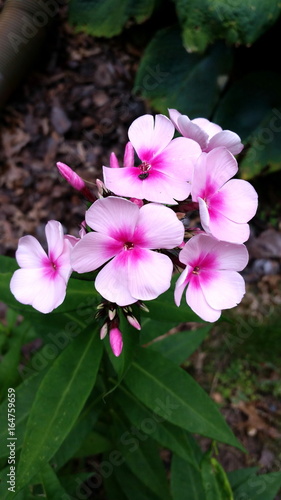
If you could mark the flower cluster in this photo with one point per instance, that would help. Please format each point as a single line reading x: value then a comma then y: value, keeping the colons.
x: 136, y: 234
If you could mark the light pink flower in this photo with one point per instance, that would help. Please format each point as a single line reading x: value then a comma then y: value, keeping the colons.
x: 125, y: 235
x: 209, y: 135
x: 225, y: 205
x: 41, y: 282
x: 166, y: 164
x: 211, y: 275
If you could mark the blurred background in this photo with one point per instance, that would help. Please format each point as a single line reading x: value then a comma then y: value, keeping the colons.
x: 75, y: 74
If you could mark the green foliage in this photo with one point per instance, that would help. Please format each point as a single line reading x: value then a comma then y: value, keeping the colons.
x: 236, y: 21
x: 107, y: 17
x: 83, y: 402
x: 170, y: 77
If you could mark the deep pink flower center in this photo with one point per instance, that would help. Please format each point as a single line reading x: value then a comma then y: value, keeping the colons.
x: 144, y: 168
x: 196, y: 270
x: 128, y: 245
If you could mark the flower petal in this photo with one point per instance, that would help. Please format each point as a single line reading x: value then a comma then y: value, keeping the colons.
x: 150, y: 136
x: 92, y: 251
x: 55, y: 238
x: 225, y: 291
x: 112, y: 282
x: 239, y: 200
x: 228, y: 139
x: 111, y: 214
x: 181, y: 283
x: 208, y: 127
x: 30, y: 253
x: 230, y: 256
x: 204, y: 215
x: 160, y: 227
x: 149, y: 274
x: 30, y: 286
x: 227, y: 230
x: 196, y: 300
x: 178, y: 158
x: 189, y: 129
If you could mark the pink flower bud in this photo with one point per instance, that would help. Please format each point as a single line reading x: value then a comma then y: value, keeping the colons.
x: 72, y: 178
x: 137, y: 202
x: 134, y: 322
x: 129, y: 155
x: 116, y: 342
x: 103, y: 331
x: 114, y: 161
x: 75, y: 180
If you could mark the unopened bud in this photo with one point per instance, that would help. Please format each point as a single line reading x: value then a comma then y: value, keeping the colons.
x: 103, y: 331
x: 101, y: 188
x: 129, y: 155
x: 75, y: 180
x: 114, y: 161
x: 111, y: 314
x: 134, y: 322
x: 116, y: 341
x: 143, y: 307
x: 137, y: 202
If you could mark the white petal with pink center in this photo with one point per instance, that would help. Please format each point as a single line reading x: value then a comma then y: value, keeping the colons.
x: 210, y: 276
x: 42, y: 280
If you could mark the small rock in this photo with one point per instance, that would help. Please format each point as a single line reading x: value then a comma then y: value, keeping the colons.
x: 60, y: 120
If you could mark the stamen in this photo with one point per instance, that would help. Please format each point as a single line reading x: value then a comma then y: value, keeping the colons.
x: 144, y: 168
x: 128, y: 245
x: 196, y: 270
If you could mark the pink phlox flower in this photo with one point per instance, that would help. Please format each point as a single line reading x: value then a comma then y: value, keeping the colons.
x: 41, y: 282
x: 125, y: 235
x: 211, y: 275
x: 209, y: 135
x: 166, y: 164
x: 225, y: 205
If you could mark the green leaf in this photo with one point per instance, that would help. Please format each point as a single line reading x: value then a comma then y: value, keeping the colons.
x: 151, y: 329
x: 24, y: 394
x: 170, y: 77
x: 215, y: 481
x: 185, y: 478
x: 172, y: 393
x: 237, y: 22
x: 239, y: 476
x: 142, y: 458
x: 179, y: 346
x: 257, y: 98
x: 132, y: 486
x: 113, y: 488
x: 259, y: 487
x: 106, y: 17
x: 51, y: 484
x: 58, y: 402
x: 166, y: 434
x: 93, y: 444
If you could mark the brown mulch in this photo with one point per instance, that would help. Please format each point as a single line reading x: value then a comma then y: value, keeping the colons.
x: 76, y: 107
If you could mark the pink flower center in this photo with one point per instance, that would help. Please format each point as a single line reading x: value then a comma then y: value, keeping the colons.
x: 196, y: 270
x: 128, y: 245
x: 144, y: 168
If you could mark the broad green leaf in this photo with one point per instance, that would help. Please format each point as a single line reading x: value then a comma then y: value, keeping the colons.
x: 179, y: 346
x: 73, y: 484
x: 9, y: 375
x: 151, y: 329
x: 252, y: 108
x: 170, y: 77
x: 259, y: 487
x: 72, y: 442
x: 51, y: 484
x: 239, y: 476
x: 113, y: 488
x: 215, y: 481
x: 165, y: 310
x: 107, y: 18
x: 237, y: 22
x: 24, y: 394
x: 93, y: 444
x: 185, y: 480
x: 166, y: 434
x: 132, y: 486
x: 173, y: 394
x: 58, y: 402
x: 142, y: 458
